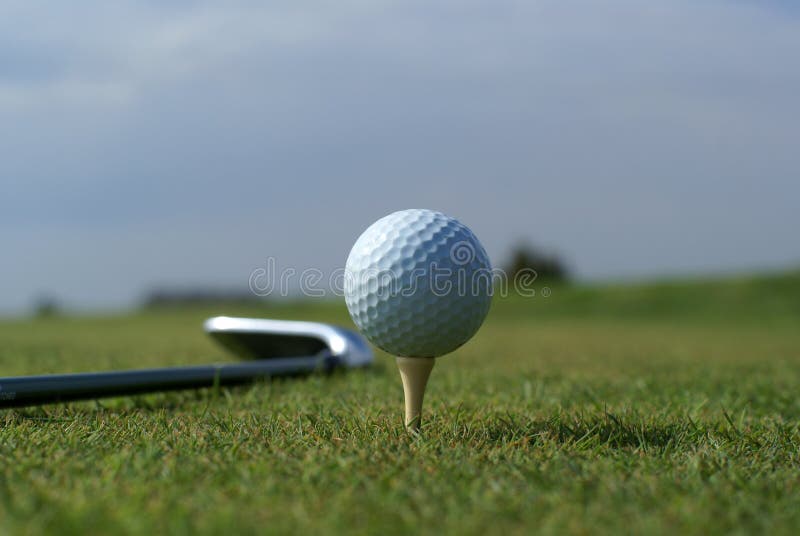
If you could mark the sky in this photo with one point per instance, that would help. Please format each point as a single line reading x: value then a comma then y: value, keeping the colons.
x: 178, y: 143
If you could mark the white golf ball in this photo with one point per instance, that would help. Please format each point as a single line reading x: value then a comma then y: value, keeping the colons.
x: 418, y: 283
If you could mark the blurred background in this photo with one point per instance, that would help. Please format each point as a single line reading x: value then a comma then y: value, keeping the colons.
x: 150, y: 150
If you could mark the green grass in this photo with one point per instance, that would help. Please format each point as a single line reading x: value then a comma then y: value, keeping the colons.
x: 667, y: 408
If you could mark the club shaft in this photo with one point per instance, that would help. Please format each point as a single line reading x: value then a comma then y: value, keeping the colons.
x: 34, y: 390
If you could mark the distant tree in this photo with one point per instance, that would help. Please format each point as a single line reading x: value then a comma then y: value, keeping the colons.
x: 46, y: 306
x: 547, y: 265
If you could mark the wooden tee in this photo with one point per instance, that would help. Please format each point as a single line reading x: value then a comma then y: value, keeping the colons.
x: 414, y: 372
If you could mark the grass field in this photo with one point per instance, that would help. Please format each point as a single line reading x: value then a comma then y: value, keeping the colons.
x: 661, y: 408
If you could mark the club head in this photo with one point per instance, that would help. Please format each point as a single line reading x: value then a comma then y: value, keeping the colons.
x: 257, y: 338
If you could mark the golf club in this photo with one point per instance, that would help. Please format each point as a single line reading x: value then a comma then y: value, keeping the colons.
x: 276, y: 348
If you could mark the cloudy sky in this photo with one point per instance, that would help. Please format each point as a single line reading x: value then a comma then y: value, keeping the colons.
x: 183, y: 143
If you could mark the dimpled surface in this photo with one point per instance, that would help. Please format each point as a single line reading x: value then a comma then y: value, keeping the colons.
x: 417, y: 283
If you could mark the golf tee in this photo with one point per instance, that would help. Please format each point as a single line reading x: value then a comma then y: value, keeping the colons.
x: 414, y: 371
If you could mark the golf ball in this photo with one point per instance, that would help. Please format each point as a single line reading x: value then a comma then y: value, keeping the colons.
x: 418, y: 283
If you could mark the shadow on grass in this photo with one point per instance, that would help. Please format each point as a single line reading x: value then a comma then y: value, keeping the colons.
x: 149, y: 403
x: 590, y: 431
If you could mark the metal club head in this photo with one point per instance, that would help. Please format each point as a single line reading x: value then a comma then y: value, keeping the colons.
x: 258, y: 338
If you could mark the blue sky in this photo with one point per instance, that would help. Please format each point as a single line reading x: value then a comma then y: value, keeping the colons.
x: 163, y: 143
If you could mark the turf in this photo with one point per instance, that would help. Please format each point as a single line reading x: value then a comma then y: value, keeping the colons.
x: 665, y: 408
